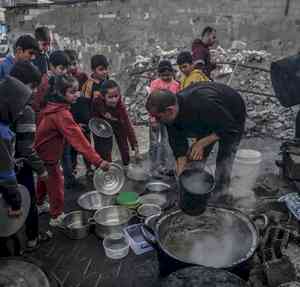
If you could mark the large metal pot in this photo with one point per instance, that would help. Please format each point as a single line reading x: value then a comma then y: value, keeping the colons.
x: 202, y: 276
x: 220, y: 237
x: 76, y: 224
x: 111, y: 219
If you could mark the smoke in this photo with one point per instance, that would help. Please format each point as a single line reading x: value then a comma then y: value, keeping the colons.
x: 196, y: 181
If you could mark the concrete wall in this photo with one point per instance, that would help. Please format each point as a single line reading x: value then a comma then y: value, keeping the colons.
x: 124, y: 29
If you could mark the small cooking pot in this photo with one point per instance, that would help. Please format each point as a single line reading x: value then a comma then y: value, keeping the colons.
x: 138, y: 171
x: 111, y: 219
x: 76, y: 224
x: 195, y: 187
x: 156, y: 186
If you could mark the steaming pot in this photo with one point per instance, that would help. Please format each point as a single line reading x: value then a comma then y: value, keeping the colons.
x: 195, y: 187
x: 220, y: 238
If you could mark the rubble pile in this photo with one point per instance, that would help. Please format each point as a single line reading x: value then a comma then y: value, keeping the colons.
x: 266, y: 117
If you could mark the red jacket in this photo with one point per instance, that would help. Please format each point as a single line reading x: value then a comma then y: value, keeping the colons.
x: 56, y: 126
x: 120, y: 113
x: 39, y: 96
x: 201, y: 57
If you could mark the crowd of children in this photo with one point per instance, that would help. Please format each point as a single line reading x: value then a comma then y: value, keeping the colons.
x: 46, y: 102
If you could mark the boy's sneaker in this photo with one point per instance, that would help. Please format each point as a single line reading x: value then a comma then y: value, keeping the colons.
x: 56, y: 222
x: 43, y: 208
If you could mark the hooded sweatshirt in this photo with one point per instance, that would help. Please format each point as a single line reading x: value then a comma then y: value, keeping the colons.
x: 57, y: 125
x: 13, y: 97
x: 120, y: 113
x: 194, y: 77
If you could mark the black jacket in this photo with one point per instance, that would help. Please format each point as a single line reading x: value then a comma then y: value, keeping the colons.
x: 206, y: 108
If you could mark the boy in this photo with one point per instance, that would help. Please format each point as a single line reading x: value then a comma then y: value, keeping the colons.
x: 43, y: 36
x: 24, y: 129
x: 99, y: 66
x: 77, y: 110
x: 58, y: 64
x: 200, y: 50
x: 10, y: 108
x: 110, y: 107
x: 190, y: 74
x: 74, y: 68
x: 25, y: 49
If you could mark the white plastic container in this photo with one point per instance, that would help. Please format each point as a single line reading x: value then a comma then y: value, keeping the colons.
x: 136, y: 239
x: 116, y: 246
x: 246, y: 169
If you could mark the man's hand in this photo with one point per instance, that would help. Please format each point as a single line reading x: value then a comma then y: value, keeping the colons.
x: 104, y: 165
x: 110, y: 117
x: 180, y: 164
x: 14, y: 213
x: 44, y: 176
x: 197, y: 151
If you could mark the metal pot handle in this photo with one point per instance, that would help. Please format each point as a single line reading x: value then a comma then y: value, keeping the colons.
x: 149, y: 234
x: 148, y: 231
x: 265, y: 220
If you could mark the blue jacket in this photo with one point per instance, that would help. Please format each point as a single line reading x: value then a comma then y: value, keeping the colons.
x: 6, y: 66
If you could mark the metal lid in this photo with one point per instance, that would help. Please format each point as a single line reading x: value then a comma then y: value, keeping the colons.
x: 94, y: 200
x: 100, y: 128
x: 20, y: 273
x: 10, y: 225
x: 109, y: 182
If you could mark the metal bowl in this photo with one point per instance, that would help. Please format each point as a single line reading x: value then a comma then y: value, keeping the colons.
x: 156, y: 186
x: 109, y: 182
x: 76, y: 224
x: 147, y: 210
x: 100, y: 128
x: 154, y: 198
x: 138, y: 171
x: 94, y: 200
x: 10, y: 225
x: 16, y: 272
x: 111, y: 219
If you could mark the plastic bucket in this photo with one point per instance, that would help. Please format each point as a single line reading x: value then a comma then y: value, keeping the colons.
x: 246, y: 168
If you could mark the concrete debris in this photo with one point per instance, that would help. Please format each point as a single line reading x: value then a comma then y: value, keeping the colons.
x: 266, y: 117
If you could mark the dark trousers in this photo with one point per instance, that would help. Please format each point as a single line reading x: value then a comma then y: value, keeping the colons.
x: 224, y: 163
x: 103, y: 146
x: 25, y: 177
x: 69, y: 161
x: 68, y: 164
